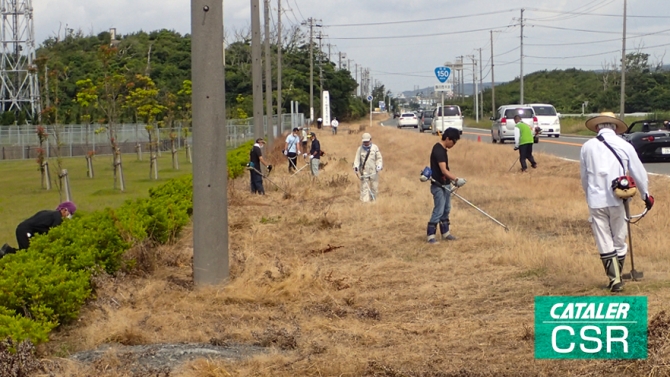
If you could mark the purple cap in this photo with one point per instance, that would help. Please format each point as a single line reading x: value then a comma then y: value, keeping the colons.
x: 67, y: 205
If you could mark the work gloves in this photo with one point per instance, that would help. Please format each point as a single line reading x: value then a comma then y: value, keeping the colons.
x: 269, y: 168
x: 648, y: 201
x: 379, y: 167
x: 285, y: 152
x: 516, y: 147
x: 311, y: 156
x: 459, y: 182
x: 355, y: 170
x: 304, y: 155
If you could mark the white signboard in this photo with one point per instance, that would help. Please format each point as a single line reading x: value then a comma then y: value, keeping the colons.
x: 442, y: 87
x: 325, y: 108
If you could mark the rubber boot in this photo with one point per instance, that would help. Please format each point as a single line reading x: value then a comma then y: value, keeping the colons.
x: 622, y: 261
x: 6, y: 249
x: 611, y: 265
x: 431, y: 231
x: 444, y: 229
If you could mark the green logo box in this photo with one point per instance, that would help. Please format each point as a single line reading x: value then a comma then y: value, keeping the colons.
x: 590, y: 327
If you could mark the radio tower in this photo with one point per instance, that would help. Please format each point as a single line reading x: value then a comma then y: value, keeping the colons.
x: 18, y: 71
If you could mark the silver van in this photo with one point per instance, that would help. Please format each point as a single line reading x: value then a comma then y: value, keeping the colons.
x: 452, y: 118
x: 502, y: 128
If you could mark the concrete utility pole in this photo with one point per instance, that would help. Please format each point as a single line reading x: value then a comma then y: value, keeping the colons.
x: 481, y: 85
x: 268, y: 72
x: 521, y: 77
x: 320, y: 38
x: 210, y: 204
x: 257, y: 69
x: 339, y: 63
x: 475, y: 88
x: 279, y: 48
x: 493, y: 82
x: 622, y: 106
x: 311, y: 23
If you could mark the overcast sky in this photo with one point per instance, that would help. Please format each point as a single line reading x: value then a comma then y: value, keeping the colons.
x: 559, y: 34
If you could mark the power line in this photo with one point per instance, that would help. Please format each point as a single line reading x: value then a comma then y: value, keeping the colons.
x: 593, y: 14
x: 423, y: 20
x: 571, y: 57
x: 425, y: 35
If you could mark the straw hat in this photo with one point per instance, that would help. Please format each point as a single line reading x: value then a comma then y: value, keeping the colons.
x: 607, y: 117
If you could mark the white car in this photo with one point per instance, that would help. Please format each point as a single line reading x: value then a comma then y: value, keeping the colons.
x: 452, y: 117
x: 547, y: 119
x: 502, y: 128
x: 408, y: 120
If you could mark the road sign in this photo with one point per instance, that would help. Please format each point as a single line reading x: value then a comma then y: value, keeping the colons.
x: 442, y: 87
x: 369, y: 98
x: 443, y: 73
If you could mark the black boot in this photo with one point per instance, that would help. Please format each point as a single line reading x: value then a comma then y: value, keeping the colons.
x: 444, y: 229
x: 6, y: 249
x: 432, y: 229
x: 611, y: 264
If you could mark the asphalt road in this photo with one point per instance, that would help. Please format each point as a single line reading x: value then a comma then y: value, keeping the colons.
x: 567, y: 147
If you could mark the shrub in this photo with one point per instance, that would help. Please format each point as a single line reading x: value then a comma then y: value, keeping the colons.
x: 19, y: 328
x: 237, y: 159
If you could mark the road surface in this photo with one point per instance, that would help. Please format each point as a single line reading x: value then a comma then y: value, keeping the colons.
x: 566, y: 146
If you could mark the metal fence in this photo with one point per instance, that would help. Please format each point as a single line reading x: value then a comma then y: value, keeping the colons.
x: 22, y: 142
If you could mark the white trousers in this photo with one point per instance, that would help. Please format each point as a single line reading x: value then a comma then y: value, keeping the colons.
x: 609, y: 229
x: 369, y: 186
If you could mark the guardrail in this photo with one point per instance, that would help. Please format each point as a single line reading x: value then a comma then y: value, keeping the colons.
x: 589, y: 115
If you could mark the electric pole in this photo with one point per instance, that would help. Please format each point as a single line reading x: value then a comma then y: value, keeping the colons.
x: 475, y: 89
x: 311, y: 23
x: 493, y: 82
x: 622, y: 106
x: 481, y: 86
x: 256, y: 69
x: 320, y: 38
x: 521, y: 77
x: 279, y: 47
x: 268, y: 71
x: 210, y: 207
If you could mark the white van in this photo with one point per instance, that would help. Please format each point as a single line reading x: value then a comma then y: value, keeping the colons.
x: 547, y: 119
x: 452, y: 118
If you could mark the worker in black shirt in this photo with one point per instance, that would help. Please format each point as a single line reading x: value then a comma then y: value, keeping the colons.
x: 441, y: 185
x: 39, y: 223
x: 256, y: 158
x: 314, y: 155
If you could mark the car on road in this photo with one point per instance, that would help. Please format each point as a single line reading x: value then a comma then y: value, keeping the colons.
x: 426, y: 122
x: 502, y: 128
x: 650, y: 139
x: 547, y: 118
x: 450, y: 117
x: 408, y: 120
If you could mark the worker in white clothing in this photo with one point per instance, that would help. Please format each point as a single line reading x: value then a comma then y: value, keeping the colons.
x: 367, y: 165
x: 604, y: 161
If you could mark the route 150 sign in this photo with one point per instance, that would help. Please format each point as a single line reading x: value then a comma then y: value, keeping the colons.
x: 443, y: 73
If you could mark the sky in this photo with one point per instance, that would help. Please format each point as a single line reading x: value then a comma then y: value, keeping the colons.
x: 401, y: 42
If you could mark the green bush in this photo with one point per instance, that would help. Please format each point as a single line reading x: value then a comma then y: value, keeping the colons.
x: 20, y: 328
x: 237, y: 159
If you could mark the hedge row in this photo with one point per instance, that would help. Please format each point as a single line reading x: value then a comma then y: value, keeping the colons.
x: 46, y: 285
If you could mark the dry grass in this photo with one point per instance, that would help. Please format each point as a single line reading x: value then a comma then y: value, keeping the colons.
x: 338, y: 287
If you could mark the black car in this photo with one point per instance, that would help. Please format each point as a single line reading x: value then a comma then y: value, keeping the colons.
x: 650, y: 138
x: 426, y: 121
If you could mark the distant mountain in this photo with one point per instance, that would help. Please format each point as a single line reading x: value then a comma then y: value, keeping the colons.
x: 468, y: 89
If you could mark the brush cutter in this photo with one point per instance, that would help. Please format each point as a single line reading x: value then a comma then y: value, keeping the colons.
x: 633, y: 275
x: 426, y: 175
x: 266, y: 177
x: 513, y: 164
x: 367, y: 183
x: 298, y: 171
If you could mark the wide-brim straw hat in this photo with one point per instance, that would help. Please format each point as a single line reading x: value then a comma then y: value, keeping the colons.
x: 607, y: 117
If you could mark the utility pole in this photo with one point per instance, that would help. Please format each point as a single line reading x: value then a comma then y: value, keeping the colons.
x: 320, y: 38
x: 210, y: 207
x: 311, y: 23
x: 493, y: 82
x: 268, y: 72
x: 279, y: 47
x: 622, y: 106
x: 521, y: 77
x: 256, y: 69
x: 475, y: 88
x: 481, y: 85
x: 329, y: 60
x: 356, y: 78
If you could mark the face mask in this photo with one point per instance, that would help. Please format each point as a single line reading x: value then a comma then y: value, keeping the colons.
x: 69, y: 216
x: 366, y: 148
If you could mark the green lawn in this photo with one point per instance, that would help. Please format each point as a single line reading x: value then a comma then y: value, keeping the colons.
x: 22, y: 194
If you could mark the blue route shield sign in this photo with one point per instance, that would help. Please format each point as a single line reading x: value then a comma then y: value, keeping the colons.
x: 443, y: 73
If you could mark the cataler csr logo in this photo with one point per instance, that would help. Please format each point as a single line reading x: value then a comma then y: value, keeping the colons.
x: 592, y: 327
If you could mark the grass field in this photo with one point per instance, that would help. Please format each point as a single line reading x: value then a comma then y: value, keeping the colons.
x: 337, y: 287
x: 22, y: 195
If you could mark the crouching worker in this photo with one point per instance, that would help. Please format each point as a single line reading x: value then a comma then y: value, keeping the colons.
x: 441, y: 185
x: 39, y: 223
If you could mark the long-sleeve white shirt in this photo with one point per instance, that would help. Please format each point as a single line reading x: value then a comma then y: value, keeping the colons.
x: 599, y: 167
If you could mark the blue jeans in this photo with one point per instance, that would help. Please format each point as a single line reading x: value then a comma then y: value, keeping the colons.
x: 442, y: 201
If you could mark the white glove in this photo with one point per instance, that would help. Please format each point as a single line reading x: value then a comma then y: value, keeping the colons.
x: 304, y: 155
x: 379, y: 167
x: 285, y: 152
x: 460, y: 182
x: 311, y: 157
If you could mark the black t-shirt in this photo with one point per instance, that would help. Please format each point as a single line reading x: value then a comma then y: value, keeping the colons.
x: 439, y: 154
x: 255, y: 157
x: 316, y: 149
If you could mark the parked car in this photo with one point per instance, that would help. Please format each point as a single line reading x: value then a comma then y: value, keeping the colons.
x: 408, y: 120
x: 650, y: 140
x: 502, y: 128
x: 548, y: 119
x: 452, y: 118
x: 426, y: 122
